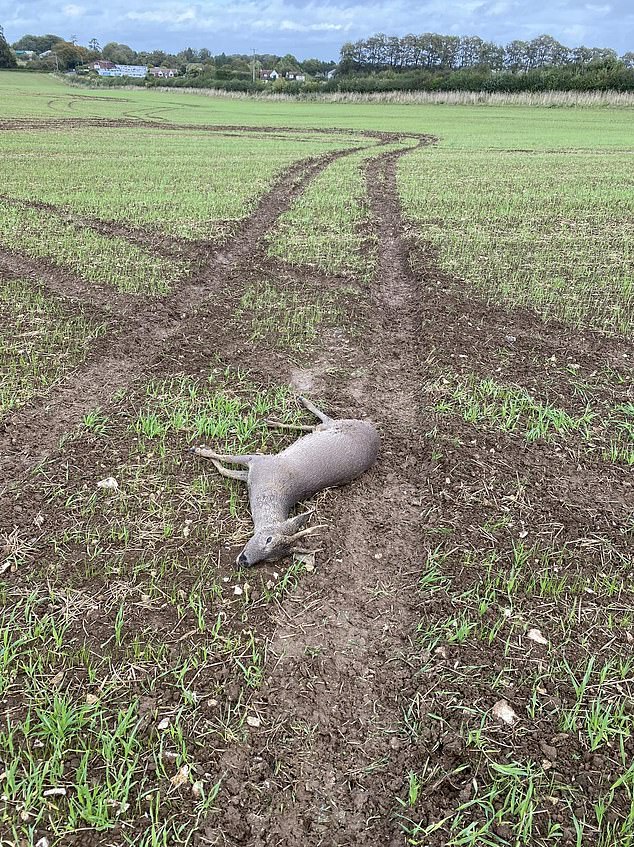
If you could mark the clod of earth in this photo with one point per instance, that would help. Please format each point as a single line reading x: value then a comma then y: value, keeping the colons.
x: 335, y: 452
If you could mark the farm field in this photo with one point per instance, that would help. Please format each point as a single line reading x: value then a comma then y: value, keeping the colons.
x: 452, y: 663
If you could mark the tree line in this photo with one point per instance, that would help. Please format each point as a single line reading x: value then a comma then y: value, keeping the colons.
x: 433, y: 52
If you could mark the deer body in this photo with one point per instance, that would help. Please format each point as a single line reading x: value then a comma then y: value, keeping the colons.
x: 333, y: 454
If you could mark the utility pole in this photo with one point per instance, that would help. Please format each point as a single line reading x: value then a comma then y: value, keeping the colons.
x: 253, y: 63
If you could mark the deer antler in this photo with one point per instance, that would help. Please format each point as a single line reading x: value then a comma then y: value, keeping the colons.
x: 311, y: 530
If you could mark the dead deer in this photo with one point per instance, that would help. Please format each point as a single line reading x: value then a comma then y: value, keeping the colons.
x: 335, y: 452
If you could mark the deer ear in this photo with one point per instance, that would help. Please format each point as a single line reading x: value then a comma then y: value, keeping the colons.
x: 293, y: 525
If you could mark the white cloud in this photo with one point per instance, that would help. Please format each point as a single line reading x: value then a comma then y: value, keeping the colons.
x: 294, y: 26
x: 73, y: 11
x: 165, y: 17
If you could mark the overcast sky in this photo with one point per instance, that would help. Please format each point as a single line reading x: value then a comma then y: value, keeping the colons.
x: 315, y: 29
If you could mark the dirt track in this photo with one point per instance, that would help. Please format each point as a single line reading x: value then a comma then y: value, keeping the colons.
x: 137, y: 334
x: 343, y: 667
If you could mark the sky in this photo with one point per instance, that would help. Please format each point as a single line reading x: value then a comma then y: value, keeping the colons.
x: 315, y: 29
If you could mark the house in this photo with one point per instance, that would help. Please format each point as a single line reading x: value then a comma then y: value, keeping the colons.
x: 292, y: 76
x: 268, y: 76
x: 124, y: 70
x: 25, y: 55
x: 164, y: 73
x: 100, y: 64
x: 331, y: 74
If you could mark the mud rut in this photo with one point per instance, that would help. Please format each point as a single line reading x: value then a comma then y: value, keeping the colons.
x: 137, y: 335
x: 338, y: 657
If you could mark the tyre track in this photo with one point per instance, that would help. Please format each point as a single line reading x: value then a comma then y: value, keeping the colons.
x: 157, y: 242
x: 44, y: 124
x: 34, y: 431
x: 60, y: 283
x: 337, y: 666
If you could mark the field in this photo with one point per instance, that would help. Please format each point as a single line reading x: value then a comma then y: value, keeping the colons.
x: 452, y: 663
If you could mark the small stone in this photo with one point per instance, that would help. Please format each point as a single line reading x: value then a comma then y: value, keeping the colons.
x: 91, y: 699
x: 237, y: 589
x: 43, y: 842
x: 536, y: 636
x: 504, y: 712
x: 163, y: 724
x: 109, y: 483
x: 254, y: 721
x: 197, y: 790
x: 54, y: 792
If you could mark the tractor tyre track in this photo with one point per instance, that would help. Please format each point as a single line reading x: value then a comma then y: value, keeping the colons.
x: 34, y: 431
x: 44, y: 124
x: 322, y: 768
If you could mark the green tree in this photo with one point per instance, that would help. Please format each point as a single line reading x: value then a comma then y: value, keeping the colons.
x: 69, y: 55
x: 120, y: 54
x: 7, y: 57
x: 287, y: 64
x: 37, y: 43
x: 316, y: 66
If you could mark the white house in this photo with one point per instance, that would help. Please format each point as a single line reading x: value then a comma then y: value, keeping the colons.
x: 164, y: 73
x: 124, y: 70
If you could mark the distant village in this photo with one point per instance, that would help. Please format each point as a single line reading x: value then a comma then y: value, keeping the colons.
x: 51, y: 52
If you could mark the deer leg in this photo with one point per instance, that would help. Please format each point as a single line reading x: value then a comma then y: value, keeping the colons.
x: 206, y: 453
x: 324, y: 418
x: 294, y: 427
x: 230, y: 474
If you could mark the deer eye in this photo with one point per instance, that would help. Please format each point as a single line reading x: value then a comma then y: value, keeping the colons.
x: 269, y: 539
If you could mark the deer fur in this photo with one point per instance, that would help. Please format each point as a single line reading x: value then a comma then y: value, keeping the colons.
x: 334, y: 453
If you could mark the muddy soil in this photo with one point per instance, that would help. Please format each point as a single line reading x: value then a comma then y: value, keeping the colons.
x: 331, y: 753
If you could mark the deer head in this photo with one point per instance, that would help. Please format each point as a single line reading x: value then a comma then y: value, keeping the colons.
x: 275, y: 541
